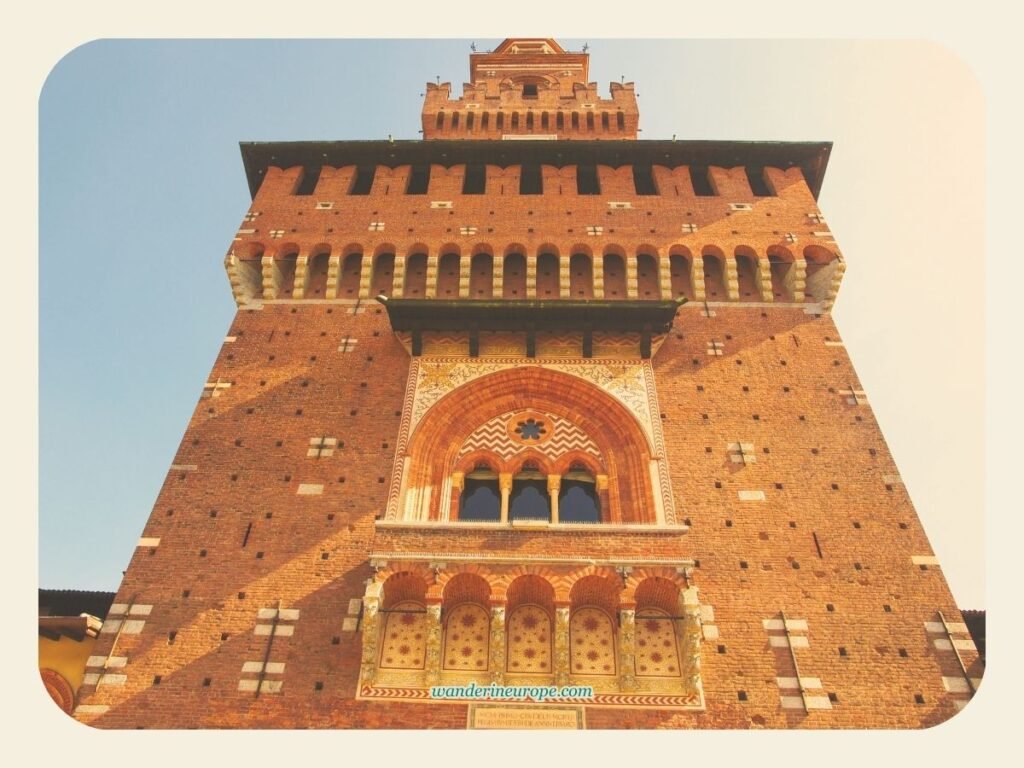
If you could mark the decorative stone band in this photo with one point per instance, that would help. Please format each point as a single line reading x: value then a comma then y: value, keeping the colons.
x: 116, y: 617
x: 351, y: 622
x: 924, y: 560
x: 96, y: 673
x: 955, y: 628
x: 284, y: 627
x: 812, y: 697
x: 250, y: 684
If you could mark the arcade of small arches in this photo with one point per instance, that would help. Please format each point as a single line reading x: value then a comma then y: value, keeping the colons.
x: 613, y: 627
x: 468, y: 121
x: 709, y: 273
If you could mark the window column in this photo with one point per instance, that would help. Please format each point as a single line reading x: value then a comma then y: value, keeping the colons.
x: 505, y: 486
x: 554, y: 486
x: 458, y: 484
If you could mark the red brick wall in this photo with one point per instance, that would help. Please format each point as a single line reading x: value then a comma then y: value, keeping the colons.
x: 236, y: 536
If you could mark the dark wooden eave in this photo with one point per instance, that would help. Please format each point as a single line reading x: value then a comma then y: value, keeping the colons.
x: 811, y: 157
x: 471, y: 316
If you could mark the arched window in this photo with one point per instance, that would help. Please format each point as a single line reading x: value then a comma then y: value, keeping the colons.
x: 481, y: 498
x: 405, y: 644
x: 591, y: 643
x: 529, y: 641
x: 578, y: 501
x: 466, y: 638
x: 529, y: 500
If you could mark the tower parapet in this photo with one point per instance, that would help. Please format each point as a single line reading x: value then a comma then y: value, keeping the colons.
x: 530, y: 88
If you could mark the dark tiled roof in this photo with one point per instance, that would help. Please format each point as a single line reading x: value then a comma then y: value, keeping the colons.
x: 72, y: 602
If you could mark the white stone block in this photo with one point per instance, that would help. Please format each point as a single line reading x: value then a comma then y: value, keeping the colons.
x: 780, y: 641
x: 230, y: 339
x: 133, y: 626
x: 790, y: 682
x: 266, y: 613
x: 440, y: 203
x: 248, y: 685
x: 113, y: 679
x: 117, y: 608
x: 772, y: 624
x: 310, y: 489
x: 90, y: 678
x: 955, y: 685
x: 710, y: 632
x: 751, y: 495
x: 960, y: 704
x: 252, y: 667
x: 834, y: 344
x: 271, y: 686
x: 964, y: 644
x: 943, y: 644
x: 924, y: 560
x: 91, y: 709
x: 112, y: 662
x: 934, y: 627
x: 796, y: 625
x: 792, y: 702
x: 275, y: 668
x: 95, y: 661
x: 354, y: 606
x: 110, y: 625
x: 707, y: 614
x: 958, y: 627
x: 289, y: 614
x: 140, y: 610
x: 818, y: 702
x: 284, y: 630
x: 149, y: 541
x: 349, y: 624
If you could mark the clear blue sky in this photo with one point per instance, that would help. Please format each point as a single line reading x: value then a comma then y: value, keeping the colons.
x: 142, y: 189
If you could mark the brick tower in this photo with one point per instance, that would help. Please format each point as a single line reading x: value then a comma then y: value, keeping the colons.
x: 532, y: 403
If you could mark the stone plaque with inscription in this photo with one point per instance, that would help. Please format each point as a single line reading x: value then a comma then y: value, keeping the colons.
x: 495, y: 717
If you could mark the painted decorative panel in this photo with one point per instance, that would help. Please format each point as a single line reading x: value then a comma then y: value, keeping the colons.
x: 529, y: 641
x: 466, y: 638
x: 591, y: 643
x: 405, y: 637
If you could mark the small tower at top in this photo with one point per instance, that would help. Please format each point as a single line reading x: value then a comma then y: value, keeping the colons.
x: 530, y: 88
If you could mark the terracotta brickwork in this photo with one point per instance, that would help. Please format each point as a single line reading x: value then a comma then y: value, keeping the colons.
x: 757, y: 561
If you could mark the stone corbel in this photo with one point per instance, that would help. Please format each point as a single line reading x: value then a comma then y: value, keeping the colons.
x: 562, y: 645
x: 371, y: 631
x: 627, y: 650
x: 432, y: 667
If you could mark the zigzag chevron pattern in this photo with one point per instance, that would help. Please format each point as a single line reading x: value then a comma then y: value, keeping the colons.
x: 564, y: 437
x: 660, y: 701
